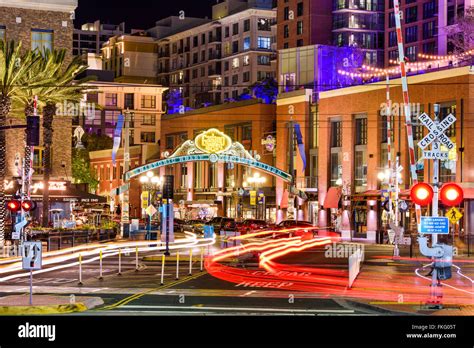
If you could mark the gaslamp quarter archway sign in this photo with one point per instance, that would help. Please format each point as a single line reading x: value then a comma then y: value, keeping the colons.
x: 213, y: 146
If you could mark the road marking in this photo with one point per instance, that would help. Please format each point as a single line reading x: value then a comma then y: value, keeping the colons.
x: 248, y: 293
x: 245, y: 309
x: 139, y: 295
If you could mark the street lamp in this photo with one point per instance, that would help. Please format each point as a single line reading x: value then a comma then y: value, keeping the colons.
x: 150, y: 183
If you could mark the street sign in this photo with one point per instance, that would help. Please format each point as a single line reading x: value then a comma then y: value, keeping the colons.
x: 436, y: 131
x: 434, y: 225
x: 441, y: 155
x: 18, y: 228
x: 32, y: 256
x: 241, y: 192
x: 454, y: 215
x: 253, y: 197
x: 151, y: 210
x: 403, y: 240
x: 391, y: 236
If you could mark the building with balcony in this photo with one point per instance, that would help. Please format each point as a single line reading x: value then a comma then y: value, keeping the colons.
x: 219, y: 60
x: 423, y: 26
x: 91, y: 36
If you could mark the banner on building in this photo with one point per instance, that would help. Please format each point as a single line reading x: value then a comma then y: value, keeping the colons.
x: 117, y: 137
x: 299, y: 140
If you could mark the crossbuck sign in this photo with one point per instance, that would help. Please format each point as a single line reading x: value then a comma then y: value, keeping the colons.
x: 436, y: 136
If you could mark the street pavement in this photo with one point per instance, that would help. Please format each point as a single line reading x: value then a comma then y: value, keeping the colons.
x: 196, y: 292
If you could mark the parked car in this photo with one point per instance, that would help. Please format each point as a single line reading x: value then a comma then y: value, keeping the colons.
x: 194, y: 226
x: 219, y: 223
x: 252, y: 225
x: 303, y: 229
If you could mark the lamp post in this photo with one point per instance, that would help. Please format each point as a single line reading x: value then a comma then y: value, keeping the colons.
x: 150, y: 183
x: 257, y: 180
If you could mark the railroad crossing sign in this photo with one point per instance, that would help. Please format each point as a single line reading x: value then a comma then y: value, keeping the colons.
x: 32, y: 256
x: 436, y: 136
x: 454, y: 215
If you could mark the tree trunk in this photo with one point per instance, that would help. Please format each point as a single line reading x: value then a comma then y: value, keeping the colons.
x: 48, y: 114
x: 29, y: 111
x: 5, y: 106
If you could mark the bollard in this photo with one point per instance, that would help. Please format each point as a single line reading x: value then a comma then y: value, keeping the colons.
x: 136, y: 259
x: 100, y: 265
x: 202, y: 257
x: 120, y: 263
x: 177, y: 265
x: 80, y: 269
x: 190, y: 261
x: 162, y: 269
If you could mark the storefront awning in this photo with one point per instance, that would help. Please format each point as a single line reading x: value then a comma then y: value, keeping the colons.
x: 332, y: 198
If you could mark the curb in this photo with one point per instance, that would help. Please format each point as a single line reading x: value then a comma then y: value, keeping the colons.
x: 378, y: 309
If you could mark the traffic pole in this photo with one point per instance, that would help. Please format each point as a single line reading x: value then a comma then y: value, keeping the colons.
x: 163, y: 268
x: 31, y: 287
x: 100, y: 265
x: 177, y: 265
x: 136, y: 259
x: 434, y: 212
x: 406, y: 101
x: 80, y: 269
x: 202, y: 257
x: 120, y: 262
x: 190, y: 261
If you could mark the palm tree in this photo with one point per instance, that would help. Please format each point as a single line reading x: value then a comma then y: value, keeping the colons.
x: 63, y: 88
x: 14, y: 67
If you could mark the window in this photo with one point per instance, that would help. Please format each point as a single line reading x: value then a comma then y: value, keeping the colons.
x: 391, y: 20
x: 129, y: 101
x: 195, y: 41
x: 286, y: 31
x: 246, y: 76
x: 111, y: 117
x: 203, y: 39
x: 235, y: 63
x: 263, y: 60
x: 148, y: 102
x: 110, y: 99
x: 392, y: 39
x: 235, y: 29
x: 247, y: 25
x: 235, y: 79
x: 264, y: 43
x: 299, y: 28
x: 299, y: 43
x: 246, y: 60
x: 336, y: 134
x: 429, y: 30
x: 147, y: 137
x: 149, y: 120
x: 226, y: 66
x: 411, y: 53
x: 227, y: 32
x: 246, y: 43
x: 361, y: 131
x: 38, y: 165
x: 411, y: 34
x: 262, y: 75
x: 195, y: 73
x: 429, y: 9
x: 235, y: 47
x: 41, y: 40
x: 247, y: 133
x: 299, y: 9
x: 411, y: 14
x: 169, y: 142
x: 264, y: 24
x: 286, y: 13
x: 360, y: 163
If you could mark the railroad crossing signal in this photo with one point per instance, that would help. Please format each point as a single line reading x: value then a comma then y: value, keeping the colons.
x: 437, y: 130
x: 454, y: 215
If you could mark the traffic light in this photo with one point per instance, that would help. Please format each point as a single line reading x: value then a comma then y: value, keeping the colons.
x: 421, y: 194
x: 28, y: 205
x: 33, y: 131
x: 14, y: 206
x: 451, y: 194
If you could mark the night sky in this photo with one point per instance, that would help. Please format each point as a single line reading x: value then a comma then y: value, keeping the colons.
x: 139, y: 14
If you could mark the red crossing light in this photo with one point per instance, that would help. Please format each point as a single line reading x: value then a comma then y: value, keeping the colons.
x: 28, y: 205
x: 451, y: 194
x: 13, y: 206
x: 422, y: 194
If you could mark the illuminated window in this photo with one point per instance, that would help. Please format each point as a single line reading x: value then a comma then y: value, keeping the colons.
x: 246, y: 60
x: 235, y: 63
x: 41, y: 40
x: 110, y: 99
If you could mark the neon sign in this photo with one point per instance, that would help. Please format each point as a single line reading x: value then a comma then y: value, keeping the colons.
x: 213, y: 141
